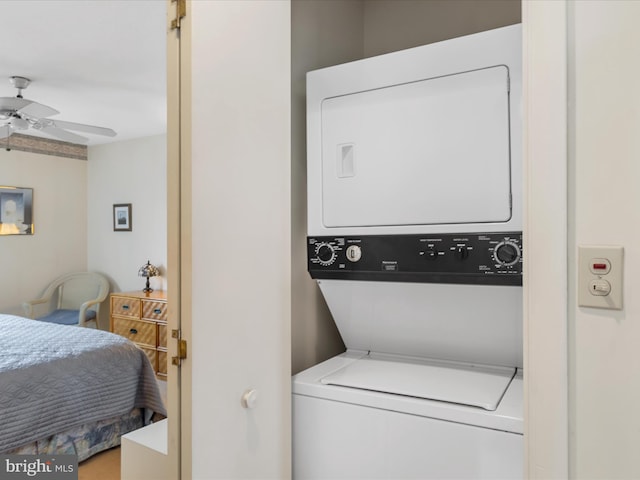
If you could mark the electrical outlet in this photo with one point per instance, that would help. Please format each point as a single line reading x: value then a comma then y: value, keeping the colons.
x: 600, y: 276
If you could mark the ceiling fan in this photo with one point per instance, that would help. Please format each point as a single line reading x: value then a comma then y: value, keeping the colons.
x: 19, y: 114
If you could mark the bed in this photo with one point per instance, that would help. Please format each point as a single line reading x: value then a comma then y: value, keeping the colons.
x: 65, y: 389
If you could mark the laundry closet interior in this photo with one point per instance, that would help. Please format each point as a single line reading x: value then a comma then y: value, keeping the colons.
x: 326, y: 33
x: 420, y: 208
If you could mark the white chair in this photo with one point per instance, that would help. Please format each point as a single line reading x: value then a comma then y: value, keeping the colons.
x: 72, y: 299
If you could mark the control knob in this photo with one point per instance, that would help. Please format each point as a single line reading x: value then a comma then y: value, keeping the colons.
x: 461, y: 252
x: 506, y: 253
x: 325, y: 254
x: 431, y: 253
x: 354, y: 253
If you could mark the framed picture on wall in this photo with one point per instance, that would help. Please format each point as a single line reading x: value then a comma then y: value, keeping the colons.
x: 122, y: 217
x: 16, y: 211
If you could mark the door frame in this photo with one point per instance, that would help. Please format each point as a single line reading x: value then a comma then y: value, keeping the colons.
x: 546, y: 372
x: 179, y: 240
x: 546, y: 237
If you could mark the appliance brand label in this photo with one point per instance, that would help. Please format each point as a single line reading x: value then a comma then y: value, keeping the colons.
x: 389, y: 266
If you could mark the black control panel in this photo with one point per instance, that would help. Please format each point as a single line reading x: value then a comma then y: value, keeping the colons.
x: 478, y: 258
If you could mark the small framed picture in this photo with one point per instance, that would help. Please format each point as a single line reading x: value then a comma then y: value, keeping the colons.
x: 16, y: 211
x: 122, y: 217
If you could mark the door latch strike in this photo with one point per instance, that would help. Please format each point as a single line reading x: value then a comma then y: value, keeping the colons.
x: 181, y: 12
x: 182, y: 348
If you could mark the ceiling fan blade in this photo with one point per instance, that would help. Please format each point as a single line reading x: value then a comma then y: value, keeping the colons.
x: 5, y: 131
x: 13, y: 103
x: 81, y: 127
x: 37, y: 110
x: 63, y: 134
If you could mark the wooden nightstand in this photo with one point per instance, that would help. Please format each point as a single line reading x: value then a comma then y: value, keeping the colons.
x: 142, y: 318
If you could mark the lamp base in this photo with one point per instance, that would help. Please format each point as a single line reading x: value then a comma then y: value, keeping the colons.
x: 147, y: 288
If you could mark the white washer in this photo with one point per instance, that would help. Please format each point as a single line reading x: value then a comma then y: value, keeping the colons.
x: 347, y: 433
x: 363, y: 414
x: 415, y: 217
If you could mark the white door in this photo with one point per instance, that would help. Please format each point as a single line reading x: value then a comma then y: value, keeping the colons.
x: 232, y: 267
x: 439, y: 148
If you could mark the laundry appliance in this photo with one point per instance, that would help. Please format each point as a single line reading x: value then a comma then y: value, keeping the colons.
x: 415, y: 241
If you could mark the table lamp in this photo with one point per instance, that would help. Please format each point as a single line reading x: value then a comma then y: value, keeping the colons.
x: 148, y: 270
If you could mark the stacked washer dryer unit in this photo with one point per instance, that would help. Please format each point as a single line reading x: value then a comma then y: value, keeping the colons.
x: 415, y: 219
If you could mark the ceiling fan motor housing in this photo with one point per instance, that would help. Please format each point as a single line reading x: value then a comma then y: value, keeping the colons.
x: 19, y: 82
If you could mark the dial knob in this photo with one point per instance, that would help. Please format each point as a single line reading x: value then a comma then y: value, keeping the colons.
x: 461, y: 252
x: 507, y: 253
x: 325, y: 254
x: 354, y: 253
x: 431, y: 253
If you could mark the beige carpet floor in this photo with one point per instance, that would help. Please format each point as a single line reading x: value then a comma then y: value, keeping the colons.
x: 103, y: 466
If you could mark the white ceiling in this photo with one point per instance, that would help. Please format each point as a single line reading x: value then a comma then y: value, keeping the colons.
x: 99, y: 62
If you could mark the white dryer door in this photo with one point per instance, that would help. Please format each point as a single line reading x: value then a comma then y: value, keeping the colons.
x: 434, y: 151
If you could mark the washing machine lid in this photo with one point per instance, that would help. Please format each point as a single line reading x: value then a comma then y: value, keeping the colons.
x: 471, y: 324
x: 473, y: 385
x: 433, y: 151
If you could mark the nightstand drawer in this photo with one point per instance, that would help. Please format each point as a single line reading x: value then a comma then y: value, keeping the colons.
x: 162, y: 335
x: 152, y: 356
x: 128, y: 307
x: 154, y: 310
x: 136, y: 331
x: 162, y: 362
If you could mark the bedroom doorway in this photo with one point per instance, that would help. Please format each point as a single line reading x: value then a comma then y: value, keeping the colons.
x: 104, y: 64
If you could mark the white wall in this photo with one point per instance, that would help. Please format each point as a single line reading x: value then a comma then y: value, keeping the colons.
x: 133, y: 172
x: 391, y: 25
x: 29, y: 262
x: 604, y: 53
x: 240, y: 238
x: 583, y: 150
x: 322, y: 34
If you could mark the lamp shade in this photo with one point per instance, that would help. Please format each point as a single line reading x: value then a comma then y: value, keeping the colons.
x: 148, y: 270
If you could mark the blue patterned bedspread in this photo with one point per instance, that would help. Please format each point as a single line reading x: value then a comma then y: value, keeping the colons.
x: 55, y: 377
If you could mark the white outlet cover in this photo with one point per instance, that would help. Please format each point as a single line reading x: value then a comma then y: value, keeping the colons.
x: 587, y: 255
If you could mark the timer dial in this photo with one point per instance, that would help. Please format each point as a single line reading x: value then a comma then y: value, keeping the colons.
x: 325, y: 253
x: 506, y: 253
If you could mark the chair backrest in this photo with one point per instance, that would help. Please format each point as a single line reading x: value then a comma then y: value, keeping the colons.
x: 74, y: 289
